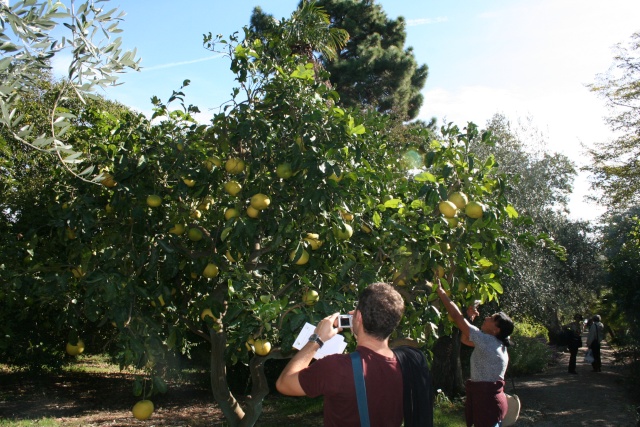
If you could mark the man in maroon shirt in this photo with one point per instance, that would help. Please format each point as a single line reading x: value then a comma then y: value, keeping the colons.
x: 378, y: 313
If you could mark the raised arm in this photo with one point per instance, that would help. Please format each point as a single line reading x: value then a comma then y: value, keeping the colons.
x: 455, y: 313
x: 288, y: 383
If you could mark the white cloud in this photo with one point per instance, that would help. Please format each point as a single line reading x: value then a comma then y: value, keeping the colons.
x: 567, y: 119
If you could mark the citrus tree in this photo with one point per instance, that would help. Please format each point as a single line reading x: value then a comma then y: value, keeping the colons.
x: 237, y: 232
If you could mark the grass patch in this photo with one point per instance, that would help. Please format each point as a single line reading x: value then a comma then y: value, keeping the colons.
x: 451, y: 416
x: 295, y: 405
x: 94, y: 364
x: 44, y: 422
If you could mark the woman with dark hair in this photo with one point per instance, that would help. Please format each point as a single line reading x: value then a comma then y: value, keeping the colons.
x: 486, y: 403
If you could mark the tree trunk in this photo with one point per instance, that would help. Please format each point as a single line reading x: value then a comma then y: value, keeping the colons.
x: 446, y: 370
x: 235, y: 414
x: 228, y: 404
x: 259, y: 388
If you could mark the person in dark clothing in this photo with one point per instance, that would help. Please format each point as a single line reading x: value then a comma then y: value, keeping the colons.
x: 574, y: 341
x: 596, y: 334
x: 397, y: 381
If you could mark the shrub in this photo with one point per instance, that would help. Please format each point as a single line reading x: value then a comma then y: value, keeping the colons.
x: 529, y: 353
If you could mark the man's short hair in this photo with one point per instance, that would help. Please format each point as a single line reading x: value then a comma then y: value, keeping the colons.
x: 382, y: 308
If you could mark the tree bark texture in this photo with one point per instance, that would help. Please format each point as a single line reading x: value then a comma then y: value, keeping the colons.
x: 447, y: 370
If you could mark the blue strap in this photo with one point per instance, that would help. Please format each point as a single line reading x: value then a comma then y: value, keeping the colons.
x: 361, y: 391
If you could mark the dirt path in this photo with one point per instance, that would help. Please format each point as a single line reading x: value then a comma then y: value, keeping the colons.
x: 557, y: 398
x: 554, y: 398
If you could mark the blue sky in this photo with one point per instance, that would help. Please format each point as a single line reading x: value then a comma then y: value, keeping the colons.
x: 522, y: 58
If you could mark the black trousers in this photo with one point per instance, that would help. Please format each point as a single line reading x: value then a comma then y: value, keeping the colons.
x: 573, y: 354
x: 597, y: 363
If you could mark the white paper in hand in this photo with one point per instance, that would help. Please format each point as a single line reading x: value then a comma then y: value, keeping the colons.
x: 335, y: 345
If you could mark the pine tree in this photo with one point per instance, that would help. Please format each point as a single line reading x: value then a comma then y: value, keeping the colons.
x: 374, y: 69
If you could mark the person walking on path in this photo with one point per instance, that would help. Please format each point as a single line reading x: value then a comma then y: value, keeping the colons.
x: 596, y: 334
x: 574, y: 341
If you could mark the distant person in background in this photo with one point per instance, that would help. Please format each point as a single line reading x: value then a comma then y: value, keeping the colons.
x: 596, y: 335
x: 574, y: 341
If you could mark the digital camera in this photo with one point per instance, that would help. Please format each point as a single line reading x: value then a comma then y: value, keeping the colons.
x: 345, y: 321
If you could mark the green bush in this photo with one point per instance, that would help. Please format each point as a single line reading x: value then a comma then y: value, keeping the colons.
x: 530, y: 329
x: 529, y: 353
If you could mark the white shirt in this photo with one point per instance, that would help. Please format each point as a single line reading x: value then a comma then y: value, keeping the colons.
x: 489, y: 358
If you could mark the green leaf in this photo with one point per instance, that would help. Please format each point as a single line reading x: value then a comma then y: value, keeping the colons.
x: 485, y: 263
x: 159, y: 384
x: 225, y: 233
x: 393, y: 203
x: 358, y: 130
x: 511, y: 211
x: 497, y: 286
x: 425, y: 177
x: 303, y: 73
x: 377, y: 219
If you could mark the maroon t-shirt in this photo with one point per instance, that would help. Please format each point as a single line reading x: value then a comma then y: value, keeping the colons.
x: 332, y: 377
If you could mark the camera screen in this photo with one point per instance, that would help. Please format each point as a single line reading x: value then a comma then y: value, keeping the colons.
x: 345, y: 321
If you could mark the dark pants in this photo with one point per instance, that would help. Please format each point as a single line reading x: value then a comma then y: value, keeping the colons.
x: 573, y: 354
x: 597, y: 363
x: 486, y: 404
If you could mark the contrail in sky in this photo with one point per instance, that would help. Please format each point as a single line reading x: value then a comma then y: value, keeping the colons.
x: 177, y: 64
x: 425, y: 21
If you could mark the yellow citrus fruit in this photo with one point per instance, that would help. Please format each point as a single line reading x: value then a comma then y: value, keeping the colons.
x: 196, y: 214
x: 448, y: 209
x: 234, y: 165
x: 314, y: 241
x: 232, y: 187
x: 303, y: 259
x: 397, y: 279
x: 284, y: 171
x: 347, y: 216
x: 108, y: 181
x: 231, y: 213
x: 252, y: 212
x: 262, y: 347
x: 211, y: 162
x: 210, y: 271
x: 188, y: 182
x: 453, y: 222
x: 260, y: 201
x: 143, y: 409
x: 459, y: 199
x: 74, y: 350
x: 77, y: 272
x: 311, y: 297
x: 232, y: 258
x: 195, y: 234
x: 154, y: 200
x: 177, y: 229
x: 474, y: 210
x: 343, y: 234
